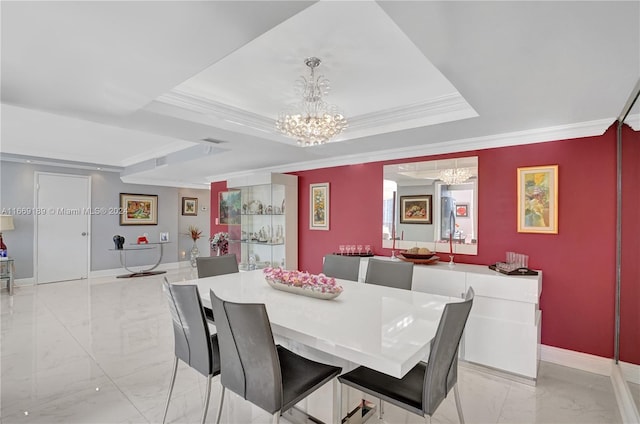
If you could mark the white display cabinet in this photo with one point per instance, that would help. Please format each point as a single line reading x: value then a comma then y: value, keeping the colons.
x: 268, y: 233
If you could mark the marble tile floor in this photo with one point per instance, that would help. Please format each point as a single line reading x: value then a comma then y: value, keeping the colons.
x: 101, y: 351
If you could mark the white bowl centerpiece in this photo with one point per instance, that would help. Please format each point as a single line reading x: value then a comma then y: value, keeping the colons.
x: 304, y: 283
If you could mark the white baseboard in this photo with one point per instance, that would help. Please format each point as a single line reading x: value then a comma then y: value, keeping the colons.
x: 578, y: 360
x: 24, y: 281
x: 626, y: 404
x: 630, y: 372
x: 119, y: 271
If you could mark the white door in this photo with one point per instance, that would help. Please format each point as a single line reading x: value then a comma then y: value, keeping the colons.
x: 62, y: 227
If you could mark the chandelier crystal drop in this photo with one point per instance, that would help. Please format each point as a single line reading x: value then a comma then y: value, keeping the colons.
x: 313, y: 121
x: 455, y: 175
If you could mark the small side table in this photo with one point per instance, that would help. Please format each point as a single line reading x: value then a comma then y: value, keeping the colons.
x: 7, y: 270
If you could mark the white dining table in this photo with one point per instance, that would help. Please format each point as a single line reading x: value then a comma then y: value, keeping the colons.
x: 385, y: 329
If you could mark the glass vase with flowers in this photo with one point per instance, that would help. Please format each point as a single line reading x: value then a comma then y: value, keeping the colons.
x: 195, y: 233
x: 220, y: 243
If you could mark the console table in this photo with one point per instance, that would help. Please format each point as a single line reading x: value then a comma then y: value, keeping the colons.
x: 503, y: 330
x: 142, y: 246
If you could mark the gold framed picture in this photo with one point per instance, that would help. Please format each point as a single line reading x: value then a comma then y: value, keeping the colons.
x: 538, y: 199
x: 138, y: 209
x: 319, y: 206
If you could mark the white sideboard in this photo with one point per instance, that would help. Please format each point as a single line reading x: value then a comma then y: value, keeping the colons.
x: 503, y: 330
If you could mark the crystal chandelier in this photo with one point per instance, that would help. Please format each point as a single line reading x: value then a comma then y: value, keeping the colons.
x: 455, y: 175
x: 314, y: 122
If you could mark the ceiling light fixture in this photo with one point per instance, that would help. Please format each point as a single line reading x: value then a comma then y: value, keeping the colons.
x: 314, y: 122
x: 455, y: 175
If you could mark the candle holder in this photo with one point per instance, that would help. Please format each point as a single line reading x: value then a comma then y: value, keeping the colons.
x: 451, y: 263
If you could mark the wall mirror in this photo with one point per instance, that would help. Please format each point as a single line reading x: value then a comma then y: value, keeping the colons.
x: 431, y: 204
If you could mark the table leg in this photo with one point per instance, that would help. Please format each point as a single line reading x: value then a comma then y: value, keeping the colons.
x: 142, y: 272
x: 12, y: 270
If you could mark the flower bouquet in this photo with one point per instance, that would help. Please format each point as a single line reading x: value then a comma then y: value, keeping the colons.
x: 303, y: 283
x: 194, y: 232
x: 220, y: 243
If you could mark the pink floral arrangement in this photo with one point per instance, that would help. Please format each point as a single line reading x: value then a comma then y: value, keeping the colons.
x: 320, y: 282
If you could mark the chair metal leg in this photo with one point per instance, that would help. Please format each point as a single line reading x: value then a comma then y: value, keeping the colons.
x: 458, y: 404
x: 337, y: 402
x: 220, y: 406
x: 380, y: 408
x: 173, y: 380
x: 276, y: 417
x: 206, y: 400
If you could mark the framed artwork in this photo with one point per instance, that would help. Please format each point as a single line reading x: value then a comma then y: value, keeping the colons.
x: 538, y: 199
x: 229, y: 207
x: 319, y: 206
x: 138, y: 209
x: 416, y: 209
x: 190, y: 206
x: 462, y: 210
x: 164, y: 237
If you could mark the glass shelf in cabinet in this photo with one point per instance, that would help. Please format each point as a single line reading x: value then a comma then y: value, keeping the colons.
x: 261, y: 242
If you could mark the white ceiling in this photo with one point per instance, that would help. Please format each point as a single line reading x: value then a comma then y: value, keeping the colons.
x: 136, y: 86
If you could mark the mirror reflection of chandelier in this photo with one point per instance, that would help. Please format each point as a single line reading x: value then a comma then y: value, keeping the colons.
x: 455, y: 175
x: 314, y: 122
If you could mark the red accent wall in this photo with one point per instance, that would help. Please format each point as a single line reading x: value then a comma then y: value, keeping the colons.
x: 630, y: 275
x: 578, y: 263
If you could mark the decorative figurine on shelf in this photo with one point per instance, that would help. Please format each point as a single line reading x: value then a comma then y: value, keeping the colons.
x: 220, y: 243
x: 118, y: 240
x: 143, y: 239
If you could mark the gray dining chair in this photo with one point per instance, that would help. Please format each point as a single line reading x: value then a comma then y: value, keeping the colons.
x: 254, y: 367
x: 209, y: 266
x: 193, y: 344
x: 389, y: 273
x: 426, y: 385
x: 344, y: 267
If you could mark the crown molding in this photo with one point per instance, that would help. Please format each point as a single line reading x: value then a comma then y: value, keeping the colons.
x: 136, y: 179
x: 186, y: 100
x: 63, y: 163
x: 633, y: 121
x: 437, y: 110
x: 451, y: 107
x: 539, y: 135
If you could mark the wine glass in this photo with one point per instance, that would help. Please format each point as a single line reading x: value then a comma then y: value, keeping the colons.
x: 342, y: 249
x: 359, y: 249
x: 367, y: 249
x: 353, y: 249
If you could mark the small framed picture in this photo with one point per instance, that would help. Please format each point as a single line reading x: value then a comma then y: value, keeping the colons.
x: 164, y: 237
x: 462, y: 210
x: 415, y: 209
x: 190, y: 206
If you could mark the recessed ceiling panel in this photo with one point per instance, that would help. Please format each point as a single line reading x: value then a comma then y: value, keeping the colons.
x: 374, y: 69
